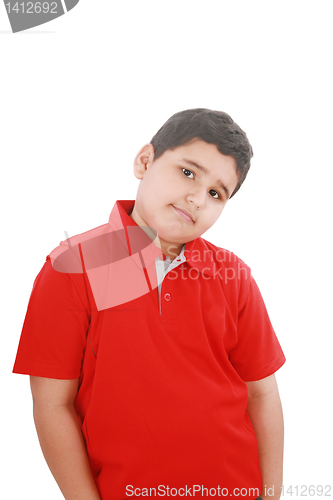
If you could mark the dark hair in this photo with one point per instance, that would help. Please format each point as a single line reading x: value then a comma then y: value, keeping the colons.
x: 213, y: 127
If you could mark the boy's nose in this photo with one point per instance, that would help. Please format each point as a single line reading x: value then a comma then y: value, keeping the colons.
x: 197, y: 198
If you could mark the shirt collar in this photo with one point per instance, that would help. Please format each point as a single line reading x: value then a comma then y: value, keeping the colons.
x: 130, y: 234
x: 200, y: 256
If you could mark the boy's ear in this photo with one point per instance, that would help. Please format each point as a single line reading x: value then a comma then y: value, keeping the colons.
x: 143, y: 160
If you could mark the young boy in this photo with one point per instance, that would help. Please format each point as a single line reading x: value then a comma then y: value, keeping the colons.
x: 150, y: 350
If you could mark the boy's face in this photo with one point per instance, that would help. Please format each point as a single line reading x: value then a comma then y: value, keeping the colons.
x: 195, y: 178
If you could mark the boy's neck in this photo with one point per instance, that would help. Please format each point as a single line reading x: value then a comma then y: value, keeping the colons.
x: 171, y: 250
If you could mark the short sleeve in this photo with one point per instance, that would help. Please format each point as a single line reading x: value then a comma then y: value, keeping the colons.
x: 257, y: 353
x: 53, y: 336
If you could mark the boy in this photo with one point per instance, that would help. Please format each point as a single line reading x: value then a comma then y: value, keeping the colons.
x: 150, y: 350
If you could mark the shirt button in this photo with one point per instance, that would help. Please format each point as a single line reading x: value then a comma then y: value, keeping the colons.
x: 167, y: 297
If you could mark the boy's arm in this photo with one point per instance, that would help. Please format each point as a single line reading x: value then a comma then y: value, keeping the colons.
x: 60, y: 437
x: 265, y: 411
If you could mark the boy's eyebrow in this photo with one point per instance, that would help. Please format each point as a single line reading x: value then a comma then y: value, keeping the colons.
x: 205, y: 171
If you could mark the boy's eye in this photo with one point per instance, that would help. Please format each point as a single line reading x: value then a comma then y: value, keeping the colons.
x: 214, y: 194
x: 187, y: 172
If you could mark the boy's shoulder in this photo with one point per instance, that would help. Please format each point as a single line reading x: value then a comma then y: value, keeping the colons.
x: 67, y: 256
x: 213, y: 257
x: 110, y: 243
x: 220, y: 265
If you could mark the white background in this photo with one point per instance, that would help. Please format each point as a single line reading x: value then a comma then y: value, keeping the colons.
x: 79, y: 97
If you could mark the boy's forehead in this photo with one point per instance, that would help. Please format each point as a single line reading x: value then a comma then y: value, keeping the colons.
x: 198, y: 149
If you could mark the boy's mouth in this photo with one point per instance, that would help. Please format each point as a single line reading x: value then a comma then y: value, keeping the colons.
x: 184, y: 214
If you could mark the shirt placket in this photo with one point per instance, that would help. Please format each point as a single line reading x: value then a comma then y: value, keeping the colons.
x: 162, y: 269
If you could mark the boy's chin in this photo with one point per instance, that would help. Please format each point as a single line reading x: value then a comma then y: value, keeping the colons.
x: 171, y: 240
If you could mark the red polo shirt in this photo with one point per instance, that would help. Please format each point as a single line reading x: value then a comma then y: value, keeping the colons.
x: 162, y: 396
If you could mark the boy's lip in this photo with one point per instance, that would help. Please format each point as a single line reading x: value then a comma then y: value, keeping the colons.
x: 185, y: 214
